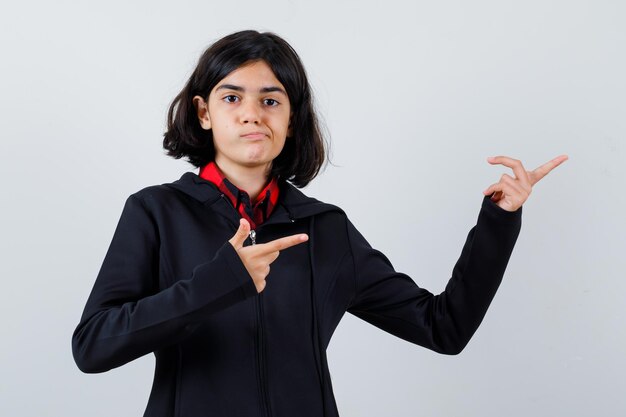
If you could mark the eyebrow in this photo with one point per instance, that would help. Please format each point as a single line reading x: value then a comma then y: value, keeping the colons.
x: 269, y: 89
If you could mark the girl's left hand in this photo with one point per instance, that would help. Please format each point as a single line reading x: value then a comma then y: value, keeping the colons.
x: 510, y: 193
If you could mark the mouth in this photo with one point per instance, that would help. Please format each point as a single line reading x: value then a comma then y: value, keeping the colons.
x: 254, y: 136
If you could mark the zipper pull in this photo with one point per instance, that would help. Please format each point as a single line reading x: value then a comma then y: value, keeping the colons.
x: 253, y: 236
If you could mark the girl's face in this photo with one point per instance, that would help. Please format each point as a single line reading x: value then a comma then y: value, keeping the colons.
x: 249, y: 114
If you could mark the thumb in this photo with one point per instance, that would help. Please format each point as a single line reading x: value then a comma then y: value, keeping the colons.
x: 240, y: 235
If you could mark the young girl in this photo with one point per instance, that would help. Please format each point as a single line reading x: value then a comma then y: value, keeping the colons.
x: 193, y: 273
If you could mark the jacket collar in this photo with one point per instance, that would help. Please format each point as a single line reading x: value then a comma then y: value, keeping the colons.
x: 295, y: 203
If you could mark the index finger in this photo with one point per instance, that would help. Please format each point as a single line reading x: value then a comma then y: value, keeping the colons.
x: 544, y: 169
x: 514, y: 164
x: 283, y: 243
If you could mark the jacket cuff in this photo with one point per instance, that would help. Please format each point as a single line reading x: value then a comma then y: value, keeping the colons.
x: 497, y: 213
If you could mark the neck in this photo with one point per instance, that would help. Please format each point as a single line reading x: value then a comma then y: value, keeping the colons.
x: 249, y: 179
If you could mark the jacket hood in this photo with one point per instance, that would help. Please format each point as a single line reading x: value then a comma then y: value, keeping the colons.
x: 295, y: 202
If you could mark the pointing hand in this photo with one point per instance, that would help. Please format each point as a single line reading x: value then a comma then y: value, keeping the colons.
x: 257, y: 258
x: 510, y: 193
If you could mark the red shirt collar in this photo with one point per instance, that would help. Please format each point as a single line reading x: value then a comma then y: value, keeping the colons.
x: 257, y: 212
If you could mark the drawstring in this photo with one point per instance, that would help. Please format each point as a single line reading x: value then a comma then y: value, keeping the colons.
x: 315, y: 324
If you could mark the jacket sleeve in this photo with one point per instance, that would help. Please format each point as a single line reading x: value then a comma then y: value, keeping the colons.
x: 445, y: 322
x: 126, y: 316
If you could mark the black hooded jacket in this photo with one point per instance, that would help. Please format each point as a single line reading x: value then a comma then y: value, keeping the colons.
x: 172, y: 284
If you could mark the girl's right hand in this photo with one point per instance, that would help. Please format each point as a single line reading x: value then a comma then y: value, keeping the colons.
x: 257, y: 258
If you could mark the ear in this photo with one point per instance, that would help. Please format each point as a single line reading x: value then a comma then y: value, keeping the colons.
x: 202, y: 109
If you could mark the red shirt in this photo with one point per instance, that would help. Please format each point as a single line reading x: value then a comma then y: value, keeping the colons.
x: 257, y: 212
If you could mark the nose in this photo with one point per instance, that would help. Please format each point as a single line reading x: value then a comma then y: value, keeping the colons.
x: 250, y: 112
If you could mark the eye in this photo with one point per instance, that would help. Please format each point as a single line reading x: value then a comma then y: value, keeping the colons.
x: 231, y: 99
x: 270, y: 102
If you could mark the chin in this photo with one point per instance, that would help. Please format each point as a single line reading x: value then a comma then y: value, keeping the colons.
x: 257, y: 159
x: 253, y: 163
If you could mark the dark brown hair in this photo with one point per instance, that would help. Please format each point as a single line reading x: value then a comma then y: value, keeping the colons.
x: 305, y: 151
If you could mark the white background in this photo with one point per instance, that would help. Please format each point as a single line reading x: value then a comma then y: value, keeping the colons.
x: 415, y: 96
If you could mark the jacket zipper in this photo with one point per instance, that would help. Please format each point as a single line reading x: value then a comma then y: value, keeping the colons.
x: 265, y: 401
x: 261, y: 346
x: 260, y: 336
